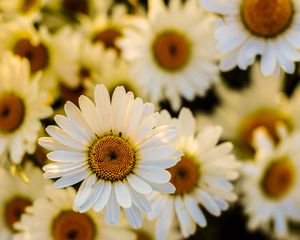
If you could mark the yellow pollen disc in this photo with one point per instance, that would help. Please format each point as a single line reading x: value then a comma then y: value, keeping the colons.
x: 71, y: 225
x: 108, y: 37
x: 171, y: 50
x: 14, y: 209
x: 27, y: 5
x: 267, y: 18
x: 36, y: 55
x: 76, y: 6
x: 112, y: 158
x: 278, y: 178
x: 12, y: 111
x: 263, y: 118
x: 185, y: 175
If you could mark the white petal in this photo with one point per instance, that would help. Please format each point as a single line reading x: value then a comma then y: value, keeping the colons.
x: 183, y: 217
x: 139, y: 184
x: 153, y: 174
x: 167, y: 188
x: 164, y: 221
x: 140, y: 201
x: 268, y: 60
x: 195, y: 211
x: 112, y: 209
x: 67, y: 157
x: 84, y: 191
x: 122, y: 195
x: 69, y: 180
x: 134, y: 216
x: 103, y: 198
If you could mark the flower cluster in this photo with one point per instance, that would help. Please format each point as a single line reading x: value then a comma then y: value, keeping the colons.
x: 149, y: 120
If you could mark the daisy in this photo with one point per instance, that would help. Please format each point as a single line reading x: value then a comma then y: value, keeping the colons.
x: 16, y: 195
x: 52, y: 217
x: 106, y: 26
x: 202, y: 178
x: 251, y: 28
x: 271, y: 183
x: 116, y: 148
x: 22, y: 106
x: 171, y: 51
x: 51, y: 54
x: 262, y: 104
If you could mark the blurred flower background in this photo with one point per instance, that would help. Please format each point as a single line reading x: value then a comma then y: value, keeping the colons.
x: 143, y: 120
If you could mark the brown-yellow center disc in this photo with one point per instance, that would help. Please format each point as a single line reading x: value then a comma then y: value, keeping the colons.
x: 76, y: 6
x: 262, y: 118
x: 12, y: 111
x: 112, y: 158
x: 142, y: 235
x: 14, y: 209
x: 267, y: 18
x: 278, y: 178
x: 171, y: 50
x: 108, y: 37
x: 27, y: 5
x: 185, y: 175
x: 71, y: 225
x: 36, y: 55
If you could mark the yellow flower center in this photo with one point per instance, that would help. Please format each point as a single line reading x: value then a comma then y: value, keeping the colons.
x: 36, y: 55
x: 112, y: 158
x: 12, y: 111
x: 278, y: 179
x: 27, y: 5
x: 71, y: 225
x: 185, y: 175
x: 108, y: 37
x: 142, y: 235
x: 171, y: 50
x: 76, y: 6
x: 267, y: 118
x: 267, y: 18
x: 14, y: 208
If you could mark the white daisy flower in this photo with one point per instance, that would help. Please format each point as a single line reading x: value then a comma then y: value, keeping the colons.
x: 16, y: 195
x: 52, y: 217
x: 106, y: 26
x: 261, y: 104
x: 22, y: 106
x: 251, y: 28
x: 171, y: 51
x: 202, y: 178
x: 116, y: 148
x: 51, y: 54
x: 271, y: 183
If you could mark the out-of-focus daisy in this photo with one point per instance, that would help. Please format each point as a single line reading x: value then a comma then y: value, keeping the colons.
x: 94, y: 65
x: 51, y: 54
x: 248, y: 28
x: 52, y: 217
x: 171, y: 51
x: 16, y: 195
x: 116, y: 73
x: 147, y: 231
x: 202, y: 178
x: 22, y: 106
x: 116, y: 148
x: 105, y: 28
x: 271, y: 183
x: 262, y: 104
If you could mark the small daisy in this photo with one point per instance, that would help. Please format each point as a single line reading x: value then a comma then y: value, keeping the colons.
x: 271, y: 184
x: 171, y: 51
x: 202, y: 178
x: 115, y: 146
x: 52, y: 217
x: 106, y: 26
x: 262, y: 104
x: 22, y: 106
x: 51, y: 54
x: 16, y: 195
x: 251, y: 28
